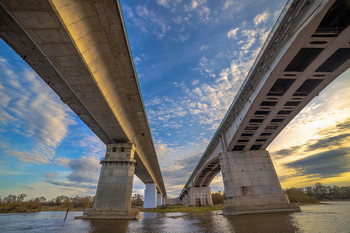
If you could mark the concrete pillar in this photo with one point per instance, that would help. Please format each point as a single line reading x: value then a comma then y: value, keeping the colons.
x: 159, y: 199
x: 150, y: 197
x: 114, y: 190
x: 251, y: 184
x: 185, y: 200
x: 199, y: 196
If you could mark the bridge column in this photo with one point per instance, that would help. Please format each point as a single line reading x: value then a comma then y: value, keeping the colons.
x: 199, y: 196
x: 159, y: 199
x: 251, y: 184
x: 185, y: 200
x: 150, y: 196
x: 114, y: 190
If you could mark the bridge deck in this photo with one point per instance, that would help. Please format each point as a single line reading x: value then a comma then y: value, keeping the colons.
x: 80, y: 49
x: 306, y: 50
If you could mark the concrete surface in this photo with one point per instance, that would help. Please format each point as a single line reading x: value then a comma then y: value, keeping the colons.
x: 251, y: 184
x: 150, y: 196
x: 114, y: 190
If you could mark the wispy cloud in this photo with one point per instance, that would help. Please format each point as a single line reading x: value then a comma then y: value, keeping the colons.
x: 325, y: 164
x: 33, y: 110
x: 233, y: 33
x: 261, y: 18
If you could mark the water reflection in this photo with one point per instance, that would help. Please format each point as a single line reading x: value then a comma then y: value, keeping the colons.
x: 200, y: 222
x: 107, y: 226
x: 333, y: 217
x: 263, y: 223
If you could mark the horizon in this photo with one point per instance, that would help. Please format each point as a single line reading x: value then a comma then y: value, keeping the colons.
x: 191, y: 59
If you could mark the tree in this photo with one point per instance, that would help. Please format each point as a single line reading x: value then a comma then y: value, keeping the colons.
x: 61, y: 199
x: 137, y: 200
x: 21, y: 197
x: 10, y: 199
x: 217, y: 198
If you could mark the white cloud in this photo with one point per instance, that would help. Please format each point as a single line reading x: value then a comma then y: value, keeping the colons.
x: 92, y: 145
x: 195, y: 82
x: 147, y: 20
x: 168, y: 3
x: 203, y: 47
x: 261, y: 18
x: 183, y: 38
x: 34, y: 111
x: 233, y: 33
x: 200, y: 7
x: 177, y: 19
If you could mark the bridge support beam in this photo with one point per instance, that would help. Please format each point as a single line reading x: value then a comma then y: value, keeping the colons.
x: 150, y: 196
x: 159, y: 199
x: 199, y: 196
x: 251, y: 184
x: 114, y: 190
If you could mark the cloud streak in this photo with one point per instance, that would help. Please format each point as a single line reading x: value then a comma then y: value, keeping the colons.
x: 325, y: 164
x: 34, y: 111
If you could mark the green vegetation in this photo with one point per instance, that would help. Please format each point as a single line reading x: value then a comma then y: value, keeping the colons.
x: 16, y: 204
x: 217, y: 198
x: 187, y: 209
x: 318, y: 193
x: 137, y: 200
x: 298, y: 196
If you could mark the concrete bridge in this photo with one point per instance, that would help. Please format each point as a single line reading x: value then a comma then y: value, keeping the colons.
x: 80, y: 49
x: 308, y: 47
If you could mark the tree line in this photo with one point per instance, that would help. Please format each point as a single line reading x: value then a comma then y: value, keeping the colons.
x: 317, y: 193
x: 13, y: 203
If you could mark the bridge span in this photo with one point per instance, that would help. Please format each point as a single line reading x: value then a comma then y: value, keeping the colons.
x: 80, y: 49
x: 308, y: 47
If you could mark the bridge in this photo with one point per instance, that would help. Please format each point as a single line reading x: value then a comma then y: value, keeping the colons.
x: 80, y: 49
x: 308, y: 47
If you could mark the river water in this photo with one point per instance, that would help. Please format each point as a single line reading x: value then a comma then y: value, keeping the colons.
x: 330, y: 217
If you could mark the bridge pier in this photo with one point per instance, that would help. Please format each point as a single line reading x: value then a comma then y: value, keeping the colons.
x: 159, y: 199
x: 150, y: 196
x: 198, y: 196
x: 114, y: 190
x: 251, y: 184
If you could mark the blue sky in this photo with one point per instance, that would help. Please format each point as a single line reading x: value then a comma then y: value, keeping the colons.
x: 191, y: 58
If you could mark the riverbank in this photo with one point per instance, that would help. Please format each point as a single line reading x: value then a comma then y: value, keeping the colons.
x: 42, y: 209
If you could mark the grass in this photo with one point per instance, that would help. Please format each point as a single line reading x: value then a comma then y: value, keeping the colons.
x: 186, y: 209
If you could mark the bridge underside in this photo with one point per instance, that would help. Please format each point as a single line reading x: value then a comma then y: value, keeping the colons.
x: 308, y: 48
x: 80, y: 49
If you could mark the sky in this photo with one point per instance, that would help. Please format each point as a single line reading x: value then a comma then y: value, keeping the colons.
x: 191, y: 57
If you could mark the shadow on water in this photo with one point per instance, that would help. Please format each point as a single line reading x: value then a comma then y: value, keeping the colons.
x: 216, y: 222
x: 212, y: 221
x: 108, y: 225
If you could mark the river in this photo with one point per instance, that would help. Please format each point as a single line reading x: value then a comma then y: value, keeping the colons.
x: 329, y: 217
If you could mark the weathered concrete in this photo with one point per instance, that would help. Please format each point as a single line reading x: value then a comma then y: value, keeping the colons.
x: 174, y: 201
x: 159, y: 199
x: 199, y: 196
x: 114, y: 190
x: 251, y: 184
x: 150, y: 196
